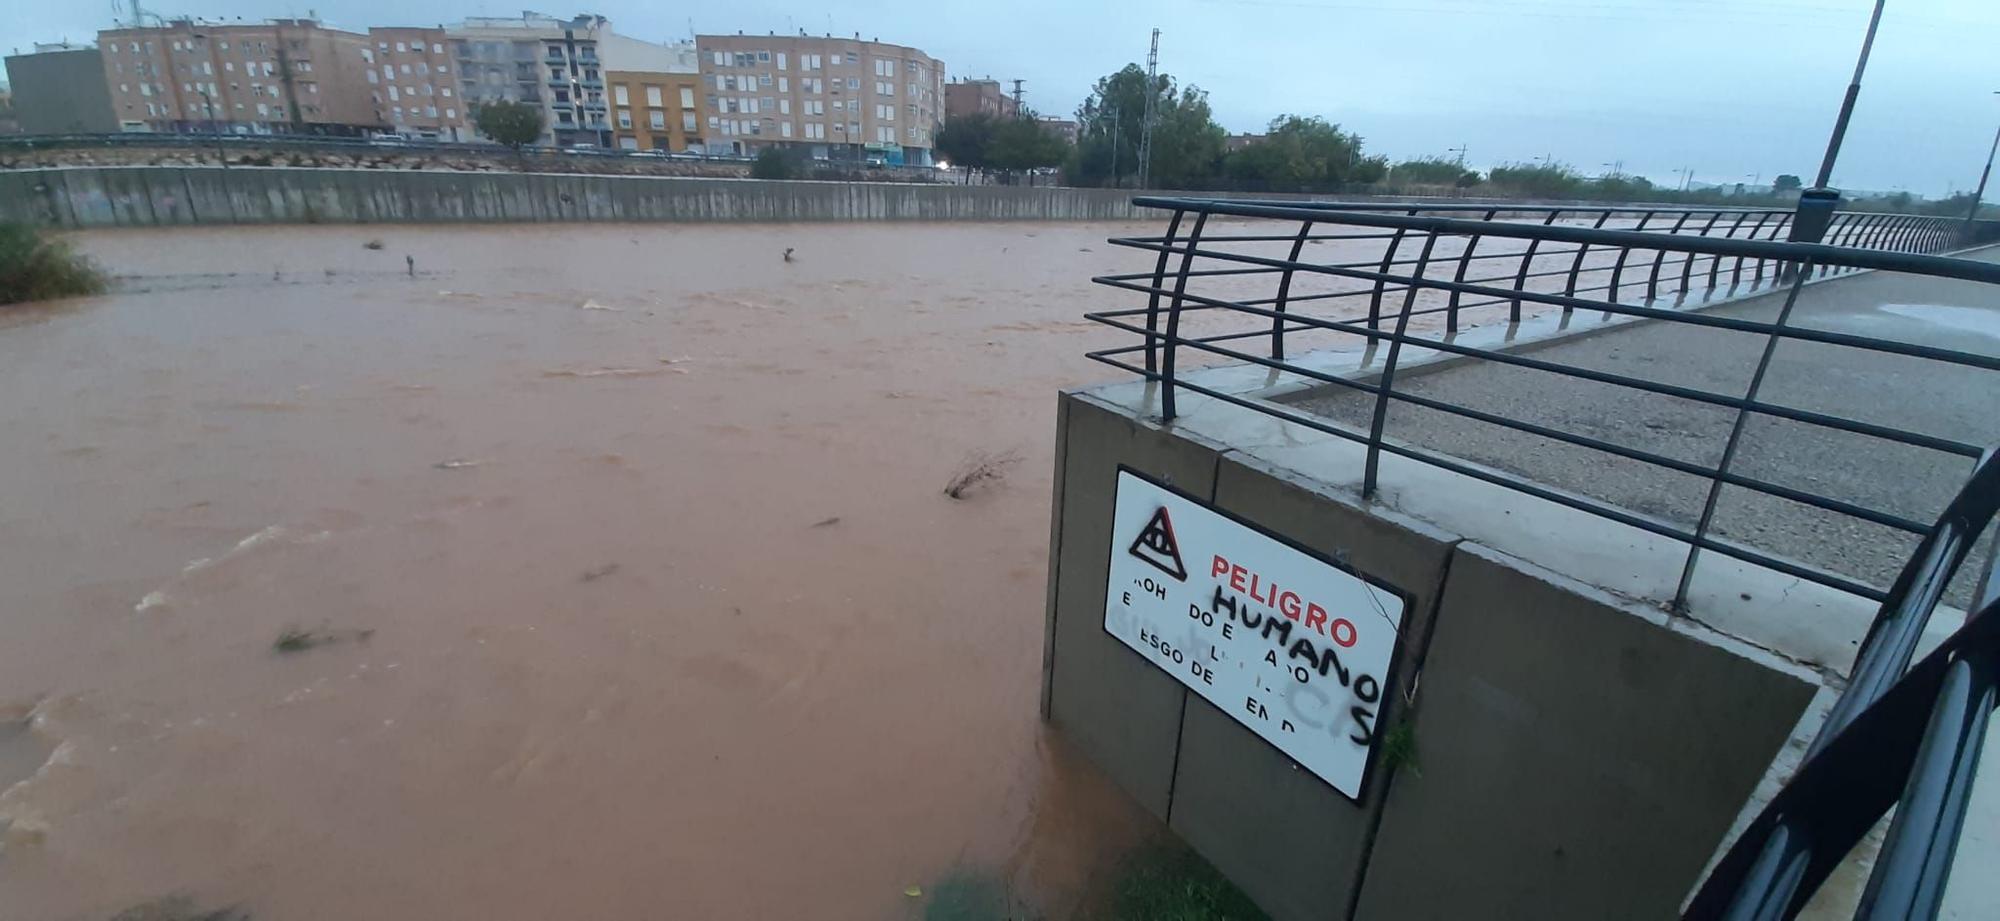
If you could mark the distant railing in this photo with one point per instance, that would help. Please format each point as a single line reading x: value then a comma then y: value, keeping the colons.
x: 1901, y: 737
x: 208, y: 142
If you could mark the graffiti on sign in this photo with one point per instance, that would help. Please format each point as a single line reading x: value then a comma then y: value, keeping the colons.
x: 1290, y: 645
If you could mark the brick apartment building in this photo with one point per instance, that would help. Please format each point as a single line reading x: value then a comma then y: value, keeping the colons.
x: 412, y: 83
x: 969, y: 97
x: 828, y: 98
x: 284, y: 76
x: 654, y: 110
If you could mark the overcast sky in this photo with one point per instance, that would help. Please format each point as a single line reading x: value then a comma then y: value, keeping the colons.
x: 1733, y: 89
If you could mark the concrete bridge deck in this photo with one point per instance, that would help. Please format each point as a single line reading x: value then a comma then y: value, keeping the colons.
x: 1940, y: 400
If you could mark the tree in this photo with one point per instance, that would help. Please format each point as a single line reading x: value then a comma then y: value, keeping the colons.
x: 1305, y: 152
x: 1023, y: 144
x: 1536, y: 180
x: 771, y: 163
x: 1786, y: 182
x: 1187, y: 143
x: 514, y: 124
x: 966, y: 141
x: 1433, y: 171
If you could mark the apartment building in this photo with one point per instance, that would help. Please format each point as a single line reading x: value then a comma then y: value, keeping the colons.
x: 830, y: 98
x: 1064, y: 128
x: 654, y: 110
x: 413, y: 85
x: 539, y: 59
x: 978, y: 97
x: 59, y: 89
x: 289, y: 76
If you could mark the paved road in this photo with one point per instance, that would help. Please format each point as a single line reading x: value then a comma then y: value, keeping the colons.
x: 1908, y: 393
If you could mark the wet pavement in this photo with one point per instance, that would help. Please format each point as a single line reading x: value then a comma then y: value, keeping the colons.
x: 1908, y: 393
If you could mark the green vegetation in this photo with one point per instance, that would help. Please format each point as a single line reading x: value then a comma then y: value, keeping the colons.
x: 1304, y: 153
x: 982, y: 142
x: 1175, y: 884
x: 1434, y: 171
x: 771, y: 163
x: 36, y: 267
x: 515, y: 124
x: 1187, y: 143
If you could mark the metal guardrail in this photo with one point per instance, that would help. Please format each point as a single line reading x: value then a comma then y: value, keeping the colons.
x: 1899, y: 736
x: 1497, y: 268
x: 201, y: 142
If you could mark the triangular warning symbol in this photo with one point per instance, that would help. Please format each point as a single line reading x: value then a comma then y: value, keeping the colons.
x: 1156, y: 545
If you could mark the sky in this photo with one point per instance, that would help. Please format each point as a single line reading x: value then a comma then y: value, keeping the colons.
x: 1733, y: 90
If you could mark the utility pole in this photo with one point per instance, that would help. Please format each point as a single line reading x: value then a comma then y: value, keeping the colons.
x: 1816, y: 204
x: 1460, y: 150
x: 1983, y: 174
x: 1114, y: 146
x: 1146, y: 127
x: 1687, y: 177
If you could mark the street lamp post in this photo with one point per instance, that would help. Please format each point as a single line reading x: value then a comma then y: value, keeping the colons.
x: 1816, y: 205
x: 1980, y: 192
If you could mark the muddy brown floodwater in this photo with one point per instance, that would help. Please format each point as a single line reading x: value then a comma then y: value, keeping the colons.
x: 611, y: 564
x: 620, y: 553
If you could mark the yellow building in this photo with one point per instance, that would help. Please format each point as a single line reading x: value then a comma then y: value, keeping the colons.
x: 654, y: 111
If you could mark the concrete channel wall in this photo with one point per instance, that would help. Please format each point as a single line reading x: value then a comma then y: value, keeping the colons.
x: 165, y: 196
x: 1566, y: 753
x: 169, y: 196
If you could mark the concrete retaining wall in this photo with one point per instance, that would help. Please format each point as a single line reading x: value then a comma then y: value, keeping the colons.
x: 1577, y: 755
x: 166, y: 196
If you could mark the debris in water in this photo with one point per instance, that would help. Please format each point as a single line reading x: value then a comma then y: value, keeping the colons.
x: 456, y: 463
x: 412, y: 262
x: 614, y: 372
x: 915, y: 892
x: 151, y: 601
x: 372, y: 244
x: 788, y: 254
x: 827, y: 522
x: 977, y: 469
x: 599, y: 573
x: 179, y: 908
x: 293, y: 639
x: 592, y: 304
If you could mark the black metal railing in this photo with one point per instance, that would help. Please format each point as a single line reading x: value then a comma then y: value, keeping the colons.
x: 1409, y: 276
x: 1901, y: 737
x: 1245, y: 281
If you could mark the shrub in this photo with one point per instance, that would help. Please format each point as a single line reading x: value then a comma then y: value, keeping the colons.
x: 771, y: 163
x: 34, y: 267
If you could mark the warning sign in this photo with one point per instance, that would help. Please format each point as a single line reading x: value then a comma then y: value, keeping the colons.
x: 1290, y: 645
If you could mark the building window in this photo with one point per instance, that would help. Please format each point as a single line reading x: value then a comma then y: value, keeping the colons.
x: 620, y: 95
x: 444, y: 91
x: 653, y: 96
x: 853, y: 57
x: 853, y: 83
x: 885, y: 88
x: 784, y: 107
x: 781, y: 60
x: 784, y: 129
x: 437, y: 48
x: 624, y: 118
x: 687, y: 122
x: 658, y: 119
x: 451, y: 113
x: 402, y: 47
x: 628, y: 143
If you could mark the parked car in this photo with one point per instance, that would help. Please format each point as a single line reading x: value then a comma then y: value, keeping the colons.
x: 389, y: 139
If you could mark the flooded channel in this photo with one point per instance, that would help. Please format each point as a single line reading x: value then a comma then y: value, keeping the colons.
x: 544, y: 571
